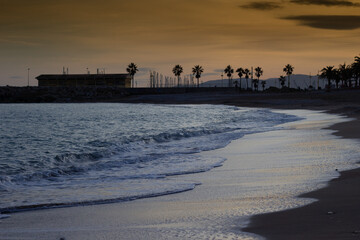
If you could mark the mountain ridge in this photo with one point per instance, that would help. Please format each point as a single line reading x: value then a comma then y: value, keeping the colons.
x: 301, y: 81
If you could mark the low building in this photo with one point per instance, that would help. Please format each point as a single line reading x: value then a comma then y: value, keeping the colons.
x: 84, y: 80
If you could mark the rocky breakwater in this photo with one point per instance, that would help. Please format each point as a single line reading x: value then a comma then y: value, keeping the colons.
x: 60, y: 94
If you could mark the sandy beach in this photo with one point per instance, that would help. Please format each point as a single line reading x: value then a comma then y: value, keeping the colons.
x: 336, y: 213
x: 214, y: 210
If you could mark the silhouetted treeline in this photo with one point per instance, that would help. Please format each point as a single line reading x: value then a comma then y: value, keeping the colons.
x: 345, y: 76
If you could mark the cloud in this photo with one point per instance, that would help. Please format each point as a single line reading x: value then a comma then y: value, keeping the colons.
x: 328, y: 3
x: 263, y: 6
x: 333, y: 22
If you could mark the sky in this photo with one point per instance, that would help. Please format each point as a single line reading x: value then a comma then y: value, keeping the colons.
x: 47, y: 35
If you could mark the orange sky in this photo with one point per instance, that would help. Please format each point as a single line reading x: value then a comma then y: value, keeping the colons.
x: 46, y: 35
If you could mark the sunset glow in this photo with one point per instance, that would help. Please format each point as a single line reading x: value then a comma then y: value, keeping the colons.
x: 46, y: 35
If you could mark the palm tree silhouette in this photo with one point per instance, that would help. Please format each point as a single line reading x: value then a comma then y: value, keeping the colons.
x: 132, y: 69
x: 288, y: 69
x: 355, y: 67
x: 197, y: 70
x: 258, y: 73
x: 328, y: 73
x: 247, y: 75
x: 345, y: 73
x: 282, y: 81
x: 337, y: 77
x: 229, y: 71
x: 263, y: 83
x: 342, y: 74
x: 177, y: 70
x: 240, y: 72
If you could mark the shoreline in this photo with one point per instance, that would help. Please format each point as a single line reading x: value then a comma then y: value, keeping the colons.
x: 260, y: 223
x: 335, y: 214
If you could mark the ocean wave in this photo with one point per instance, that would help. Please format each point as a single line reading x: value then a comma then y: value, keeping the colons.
x: 31, y: 207
x: 116, y: 147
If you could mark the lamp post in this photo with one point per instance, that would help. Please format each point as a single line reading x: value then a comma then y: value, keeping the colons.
x: 28, y: 76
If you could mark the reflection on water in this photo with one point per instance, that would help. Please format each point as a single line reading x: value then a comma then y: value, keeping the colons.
x: 265, y: 172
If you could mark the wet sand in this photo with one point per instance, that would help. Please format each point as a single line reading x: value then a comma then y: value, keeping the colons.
x: 336, y: 214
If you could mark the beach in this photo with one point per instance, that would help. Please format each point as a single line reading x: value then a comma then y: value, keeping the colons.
x: 214, y: 210
x: 336, y: 213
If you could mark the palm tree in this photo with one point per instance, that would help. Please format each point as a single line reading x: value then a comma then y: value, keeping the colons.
x: 288, y: 69
x: 342, y: 74
x: 177, y: 70
x: 282, y: 80
x: 345, y: 73
x: 355, y: 67
x: 132, y: 69
x: 240, y: 72
x: 350, y: 73
x: 258, y: 73
x: 247, y: 75
x: 263, y: 83
x: 337, y: 77
x: 229, y: 71
x: 197, y: 70
x: 236, y: 83
x: 328, y: 73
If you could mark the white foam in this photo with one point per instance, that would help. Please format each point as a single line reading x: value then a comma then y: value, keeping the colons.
x: 3, y: 216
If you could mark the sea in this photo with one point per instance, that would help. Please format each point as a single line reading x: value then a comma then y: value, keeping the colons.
x: 56, y: 155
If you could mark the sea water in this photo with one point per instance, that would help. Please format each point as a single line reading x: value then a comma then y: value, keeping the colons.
x: 68, y: 154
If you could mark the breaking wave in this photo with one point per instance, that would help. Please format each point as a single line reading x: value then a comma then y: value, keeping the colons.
x: 60, y: 155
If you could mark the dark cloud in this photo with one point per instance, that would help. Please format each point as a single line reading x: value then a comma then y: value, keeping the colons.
x: 334, y: 22
x: 328, y: 3
x: 264, y: 6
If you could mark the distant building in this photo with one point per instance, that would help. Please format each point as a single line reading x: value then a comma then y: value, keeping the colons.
x: 84, y: 80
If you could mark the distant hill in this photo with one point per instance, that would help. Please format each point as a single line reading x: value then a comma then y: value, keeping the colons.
x: 296, y: 81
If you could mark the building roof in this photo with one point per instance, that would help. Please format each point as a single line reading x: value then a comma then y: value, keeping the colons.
x: 81, y: 76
